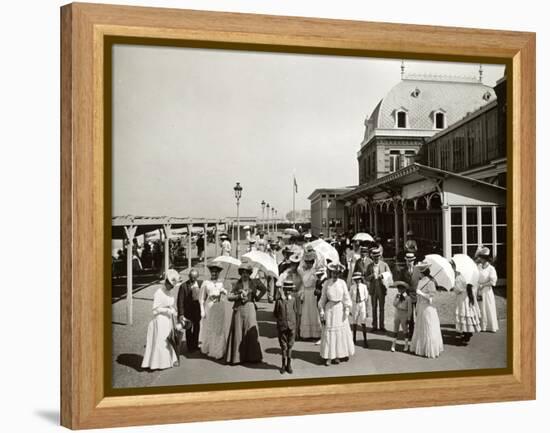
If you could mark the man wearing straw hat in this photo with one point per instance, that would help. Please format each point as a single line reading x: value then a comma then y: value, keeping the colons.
x: 377, y: 290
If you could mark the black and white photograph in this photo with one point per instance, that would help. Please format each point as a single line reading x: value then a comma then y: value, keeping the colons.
x: 281, y: 216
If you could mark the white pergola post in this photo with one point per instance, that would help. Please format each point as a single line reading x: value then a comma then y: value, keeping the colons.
x: 396, y: 223
x: 446, y: 216
x: 216, y: 239
x: 404, y: 203
x: 205, y: 247
x: 167, y: 233
x: 130, y: 233
x: 189, y: 245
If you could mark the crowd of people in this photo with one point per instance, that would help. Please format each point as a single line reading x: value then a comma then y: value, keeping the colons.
x: 314, y: 299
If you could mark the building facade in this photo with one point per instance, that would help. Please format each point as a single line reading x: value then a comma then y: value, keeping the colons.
x: 328, y: 213
x: 432, y: 162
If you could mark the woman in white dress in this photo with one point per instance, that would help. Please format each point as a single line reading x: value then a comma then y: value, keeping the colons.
x: 487, y: 280
x: 466, y: 312
x: 310, y: 325
x: 213, y: 331
x: 334, y: 308
x: 159, y: 354
x: 427, y: 339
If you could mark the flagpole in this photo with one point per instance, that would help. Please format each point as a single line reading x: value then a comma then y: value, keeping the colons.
x: 293, y: 204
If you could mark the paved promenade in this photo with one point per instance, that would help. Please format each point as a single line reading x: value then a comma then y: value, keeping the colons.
x: 486, y: 350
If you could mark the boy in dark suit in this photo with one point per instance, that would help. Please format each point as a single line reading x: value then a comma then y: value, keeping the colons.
x: 376, y: 288
x: 285, y: 313
x: 189, y: 309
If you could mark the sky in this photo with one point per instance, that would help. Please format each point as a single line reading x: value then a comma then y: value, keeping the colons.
x: 189, y: 123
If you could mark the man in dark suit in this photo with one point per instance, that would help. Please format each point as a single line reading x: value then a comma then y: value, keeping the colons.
x: 376, y: 288
x: 189, y: 308
x: 410, y: 275
x: 363, y: 262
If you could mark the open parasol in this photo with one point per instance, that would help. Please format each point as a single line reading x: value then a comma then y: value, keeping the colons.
x: 263, y: 261
x: 467, y: 267
x: 441, y: 270
x: 226, y: 262
x: 291, y: 232
x: 363, y: 237
x: 327, y: 251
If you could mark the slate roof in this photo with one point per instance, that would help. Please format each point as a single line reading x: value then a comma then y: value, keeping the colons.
x: 456, y: 97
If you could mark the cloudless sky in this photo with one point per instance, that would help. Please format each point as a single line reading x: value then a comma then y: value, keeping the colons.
x: 189, y: 123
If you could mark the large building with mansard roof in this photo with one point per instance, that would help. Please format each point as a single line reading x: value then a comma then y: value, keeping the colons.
x: 432, y: 162
x: 414, y: 110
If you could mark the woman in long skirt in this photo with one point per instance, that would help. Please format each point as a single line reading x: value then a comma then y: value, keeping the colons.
x: 213, y: 333
x: 487, y: 280
x: 310, y: 325
x: 427, y: 339
x: 159, y: 354
x: 243, y: 344
x: 334, y: 308
x: 466, y: 313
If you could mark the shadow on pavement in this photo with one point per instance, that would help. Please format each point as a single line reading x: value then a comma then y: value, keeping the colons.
x: 307, y: 356
x: 451, y: 337
x: 377, y: 344
x: 131, y: 360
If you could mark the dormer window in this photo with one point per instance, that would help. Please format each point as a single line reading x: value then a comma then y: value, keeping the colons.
x: 415, y: 93
x: 440, y: 119
x: 486, y: 96
x: 401, y: 119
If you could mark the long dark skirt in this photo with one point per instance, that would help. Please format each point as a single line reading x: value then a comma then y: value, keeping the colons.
x: 243, y: 343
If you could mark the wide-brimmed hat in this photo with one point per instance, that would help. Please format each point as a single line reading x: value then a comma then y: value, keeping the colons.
x: 288, y: 285
x: 245, y: 267
x: 423, y: 266
x: 224, y: 236
x: 310, y: 256
x: 212, y: 266
x: 375, y: 252
x: 335, y: 267
x: 172, y: 277
x: 320, y: 271
x: 410, y: 256
x: 410, y: 233
x: 307, y: 235
x: 357, y: 276
x: 252, y: 241
x: 483, y: 252
x: 295, y: 258
x: 403, y: 284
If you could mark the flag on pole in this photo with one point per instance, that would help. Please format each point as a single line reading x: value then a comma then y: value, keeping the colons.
x: 295, y: 184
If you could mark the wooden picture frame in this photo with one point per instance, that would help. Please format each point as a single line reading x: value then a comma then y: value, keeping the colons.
x: 85, y: 220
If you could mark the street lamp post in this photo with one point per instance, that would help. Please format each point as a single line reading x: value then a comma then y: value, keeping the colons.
x: 273, y: 222
x: 276, y: 222
x: 238, y: 193
x: 263, y: 215
x: 268, y: 207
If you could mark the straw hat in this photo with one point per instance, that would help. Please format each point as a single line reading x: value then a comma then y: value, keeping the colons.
x: 172, y: 277
x: 320, y: 271
x: 335, y: 267
x: 245, y: 267
x: 357, y: 276
x: 483, y: 252
x: 410, y: 256
x: 288, y: 285
x: 403, y: 284
x: 423, y: 266
x: 375, y: 252
x: 216, y: 266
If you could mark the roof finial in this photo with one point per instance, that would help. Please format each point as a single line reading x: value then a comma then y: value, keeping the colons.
x: 402, y: 68
x: 480, y: 73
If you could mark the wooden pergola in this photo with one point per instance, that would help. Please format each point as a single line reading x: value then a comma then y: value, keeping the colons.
x: 128, y: 227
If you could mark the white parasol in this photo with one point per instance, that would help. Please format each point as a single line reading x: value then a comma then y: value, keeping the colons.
x: 291, y: 232
x: 441, y: 270
x: 226, y: 262
x: 263, y: 262
x: 363, y: 237
x: 324, y: 249
x: 467, y: 267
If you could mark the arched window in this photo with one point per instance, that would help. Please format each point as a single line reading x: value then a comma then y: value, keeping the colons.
x: 401, y: 119
x: 439, y: 120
